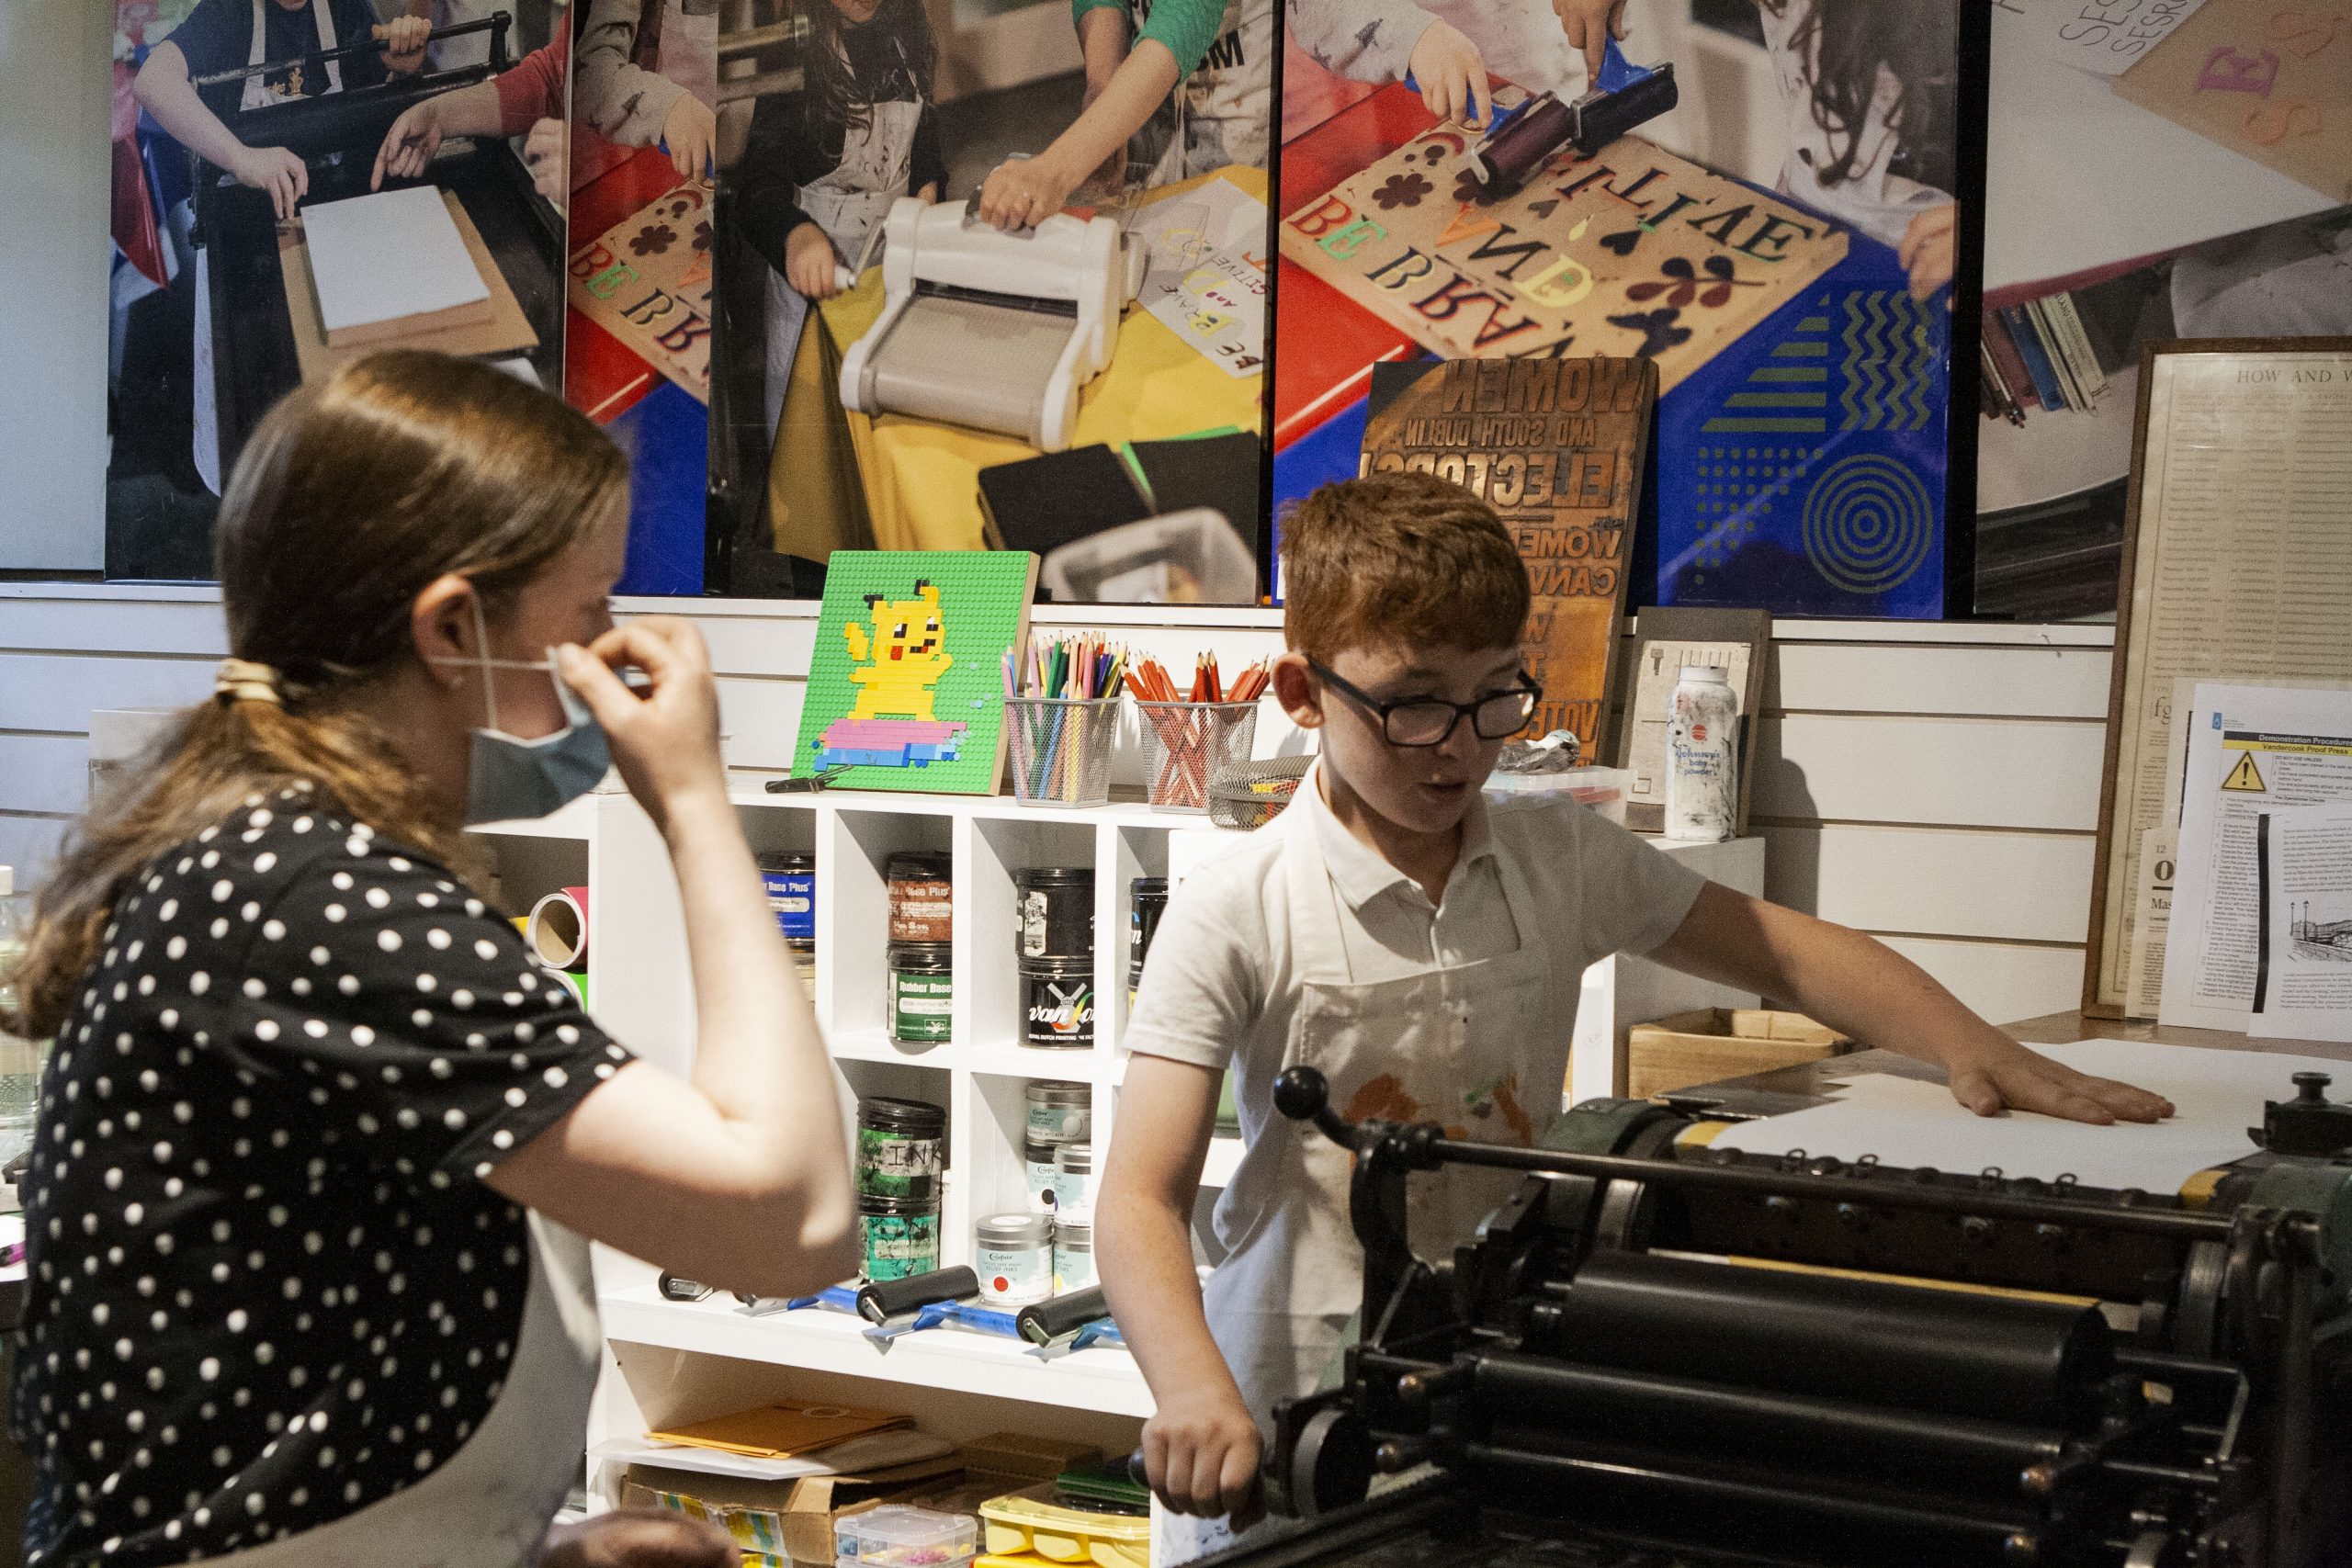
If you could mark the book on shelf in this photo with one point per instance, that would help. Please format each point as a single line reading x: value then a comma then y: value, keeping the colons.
x: 2002, y: 351
x: 2073, y: 342
x: 2044, y: 376
x: 2037, y: 314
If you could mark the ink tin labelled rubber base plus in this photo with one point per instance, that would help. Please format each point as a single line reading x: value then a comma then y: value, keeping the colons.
x: 901, y: 1144
x: 1148, y: 900
x: 790, y: 877
x: 921, y: 896
x: 897, y: 1237
x: 1056, y: 906
x: 1058, y: 1003
x: 922, y: 989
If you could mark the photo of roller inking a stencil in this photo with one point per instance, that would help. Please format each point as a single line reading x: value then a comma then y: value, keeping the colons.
x: 1754, y: 196
x: 940, y: 330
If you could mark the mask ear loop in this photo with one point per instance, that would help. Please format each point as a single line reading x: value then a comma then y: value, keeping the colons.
x: 489, y: 670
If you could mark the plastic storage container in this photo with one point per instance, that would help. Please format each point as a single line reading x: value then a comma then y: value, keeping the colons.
x: 898, y: 1536
x: 1034, y: 1521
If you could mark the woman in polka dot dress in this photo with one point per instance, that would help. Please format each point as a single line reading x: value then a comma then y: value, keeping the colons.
x: 319, y: 1145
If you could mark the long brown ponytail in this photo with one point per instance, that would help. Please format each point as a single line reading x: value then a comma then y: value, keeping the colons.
x: 354, y: 494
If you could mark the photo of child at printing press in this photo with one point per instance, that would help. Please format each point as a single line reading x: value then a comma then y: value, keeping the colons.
x: 1825, y: 127
x: 934, y: 329
x: 235, y: 125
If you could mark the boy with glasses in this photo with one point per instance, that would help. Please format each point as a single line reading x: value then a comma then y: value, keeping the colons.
x: 1425, y: 950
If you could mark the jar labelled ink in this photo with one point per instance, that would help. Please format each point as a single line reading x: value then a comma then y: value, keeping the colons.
x: 922, y: 891
x: 921, y: 992
x: 1054, y: 906
x: 1058, y: 1003
x: 902, y: 1148
x: 1014, y: 1255
x: 897, y: 1237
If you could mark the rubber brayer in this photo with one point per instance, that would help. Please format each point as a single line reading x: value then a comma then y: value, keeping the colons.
x: 1623, y: 96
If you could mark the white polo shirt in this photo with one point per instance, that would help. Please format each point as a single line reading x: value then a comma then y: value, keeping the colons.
x: 1221, y: 986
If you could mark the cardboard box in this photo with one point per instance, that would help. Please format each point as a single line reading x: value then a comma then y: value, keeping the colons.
x: 783, y: 1523
x: 779, y: 1522
x: 1700, y: 1047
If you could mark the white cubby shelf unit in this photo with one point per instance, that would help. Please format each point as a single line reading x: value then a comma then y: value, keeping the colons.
x: 670, y: 1361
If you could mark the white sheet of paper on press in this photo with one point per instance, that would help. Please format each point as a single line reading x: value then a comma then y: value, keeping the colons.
x: 388, y: 257
x: 1907, y: 1122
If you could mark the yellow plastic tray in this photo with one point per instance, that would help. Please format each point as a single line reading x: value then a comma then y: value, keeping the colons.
x: 1028, y: 1522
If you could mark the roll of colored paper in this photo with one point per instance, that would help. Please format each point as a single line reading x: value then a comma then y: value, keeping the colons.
x: 557, y: 931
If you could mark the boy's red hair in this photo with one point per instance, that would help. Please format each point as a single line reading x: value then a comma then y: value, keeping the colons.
x: 1399, y: 558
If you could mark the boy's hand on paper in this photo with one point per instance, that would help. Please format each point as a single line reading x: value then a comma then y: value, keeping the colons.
x: 639, y: 1538
x: 1201, y: 1449
x: 691, y: 132
x: 665, y: 742
x: 546, y: 153
x: 1997, y: 1073
x: 1929, y: 248
x: 809, y: 264
x: 280, y: 172
x: 1025, y: 191
x: 404, y: 42
x: 1590, y: 23
x: 409, y: 145
x: 1452, y: 75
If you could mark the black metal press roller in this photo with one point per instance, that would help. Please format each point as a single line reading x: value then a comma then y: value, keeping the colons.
x: 1045, y: 1322
x: 883, y: 1301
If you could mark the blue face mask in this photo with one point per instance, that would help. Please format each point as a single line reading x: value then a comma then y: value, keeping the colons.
x: 510, y: 779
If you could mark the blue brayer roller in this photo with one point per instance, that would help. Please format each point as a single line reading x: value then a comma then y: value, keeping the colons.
x: 1623, y: 96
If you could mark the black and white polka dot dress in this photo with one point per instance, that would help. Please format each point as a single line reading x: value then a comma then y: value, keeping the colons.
x: 268, y: 1289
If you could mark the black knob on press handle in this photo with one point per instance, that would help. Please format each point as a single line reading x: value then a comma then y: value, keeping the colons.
x: 1304, y: 1094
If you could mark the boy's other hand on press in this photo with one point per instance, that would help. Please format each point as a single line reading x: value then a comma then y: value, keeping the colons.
x: 1202, y: 1453
x: 404, y: 43
x: 1452, y: 75
x: 665, y: 742
x: 1999, y: 1074
x: 280, y: 172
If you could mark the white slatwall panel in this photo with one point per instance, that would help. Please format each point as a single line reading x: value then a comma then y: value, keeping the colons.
x: 1936, y: 784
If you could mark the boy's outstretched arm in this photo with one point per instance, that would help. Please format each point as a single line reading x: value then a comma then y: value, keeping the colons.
x: 1866, y: 989
x: 1201, y: 1446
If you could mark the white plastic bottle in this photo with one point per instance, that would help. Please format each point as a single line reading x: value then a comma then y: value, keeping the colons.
x: 1702, y: 757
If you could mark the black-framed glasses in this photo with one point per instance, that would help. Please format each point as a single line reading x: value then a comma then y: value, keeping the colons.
x: 1429, y: 721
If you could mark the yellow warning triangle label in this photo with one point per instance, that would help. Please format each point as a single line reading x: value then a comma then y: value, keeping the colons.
x: 2245, y: 777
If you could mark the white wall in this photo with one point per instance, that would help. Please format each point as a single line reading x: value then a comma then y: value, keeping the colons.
x: 1936, y: 784
x: 55, y: 87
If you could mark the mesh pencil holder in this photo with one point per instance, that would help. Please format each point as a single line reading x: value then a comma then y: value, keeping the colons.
x: 1188, y: 747
x: 1254, y: 793
x: 1061, y: 749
